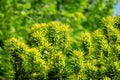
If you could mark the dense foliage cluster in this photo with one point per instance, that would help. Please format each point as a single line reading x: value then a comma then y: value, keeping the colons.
x: 59, y: 40
x: 50, y: 53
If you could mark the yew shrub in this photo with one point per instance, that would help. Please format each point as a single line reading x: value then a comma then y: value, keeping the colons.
x: 49, y: 53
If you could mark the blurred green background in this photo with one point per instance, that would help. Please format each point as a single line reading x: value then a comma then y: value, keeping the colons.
x: 16, y: 16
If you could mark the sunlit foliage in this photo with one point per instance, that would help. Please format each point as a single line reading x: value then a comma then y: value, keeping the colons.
x: 49, y: 53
